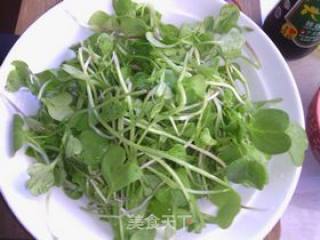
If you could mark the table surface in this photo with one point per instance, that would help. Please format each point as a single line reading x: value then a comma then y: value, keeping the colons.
x: 32, y: 9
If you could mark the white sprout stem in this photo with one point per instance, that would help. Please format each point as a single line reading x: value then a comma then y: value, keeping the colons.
x: 100, y: 194
x: 31, y: 78
x: 143, y: 204
x: 121, y: 79
x: 186, y: 108
x: 185, y: 124
x: 204, y: 106
x: 146, y: 130
x: 81, y: 60
x: 188, y: 190
x: 120, y: 220
x: 87, y: 63
x: 242, y: 79
x: 175, y: 67
x: 84, y: 66
x: 100, y: 133
x: 104, y: 79
x: 175, y: 177
x: 43, y: 88
x: 220, y: 84
x: 229, y: 74
x: 170, y: 63
x: 124, y: 52
x: 91, y: 53
x: 157, y: 153
x: 219, y: 114
x: 182, y: 93
x: 147, y: 164
x: 187, y: 117
x: 174, y: 125
x: 197, y: 56
x: 90, y: 97
x: 213, y: 96
x: 179, y: 140
x: 164, y: 177
x: 35, y: 146
x: 156, y: 43
x: 201, y: 166
x: 206, y: 192
x: 92, y: 105
x: 120, y: 126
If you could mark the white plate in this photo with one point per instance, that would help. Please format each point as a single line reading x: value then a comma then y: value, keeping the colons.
x: 46, y: 43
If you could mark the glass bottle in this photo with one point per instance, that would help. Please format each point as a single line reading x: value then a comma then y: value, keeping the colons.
x: 294, y: 26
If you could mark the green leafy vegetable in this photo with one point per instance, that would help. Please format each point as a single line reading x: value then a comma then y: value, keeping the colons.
x: 73, y: 146
x: 227, y: 19
x: 180, y: 152
x: 116, y: 172
x: 229, y: 204
x: 18, y: 137
x: 123, y: 7
x: 41, y: 178
x: 149, y: 117
x: 268, y: 131
x: 94, y: 147
x: 248, y: 172
x: 131, y: 26
x: 102, y: 22
x: 112, y: 111
x: 59, y: 106
x: 299, y: 143
x: 19, y: 77
x: 206, y: 138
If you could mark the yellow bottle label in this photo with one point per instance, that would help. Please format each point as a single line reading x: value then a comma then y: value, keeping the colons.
x: 303, y: 23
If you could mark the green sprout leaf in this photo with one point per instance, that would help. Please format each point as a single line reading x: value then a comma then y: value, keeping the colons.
x: 231, y: 43
x: 229, y: 205
x: 18, y: 132
x: 19, y: 77
x: 113, y: 111
x: 299, y: 143
x: 180, y: 152
x: 102, y: 22
x: 131, y: 26
x: 227, y: 19
x: 195, y: 88
x: 116, y: 172
x: 73, y: 146
x: 206, y: 138
x: 41, y: 178
x: 59, y: 106
x: 268, y: 130
x: 249, y: 172
x: 94, y: 147
x: 123, y: 7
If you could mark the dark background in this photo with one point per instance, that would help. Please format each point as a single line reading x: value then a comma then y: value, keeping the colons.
x: 10, y: 228
x: 9, y: 11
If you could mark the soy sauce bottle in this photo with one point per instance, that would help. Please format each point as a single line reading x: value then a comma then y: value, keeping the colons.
x: 294, y: 26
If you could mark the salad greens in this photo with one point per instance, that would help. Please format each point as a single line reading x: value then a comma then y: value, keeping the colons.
x: 147, y: 118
